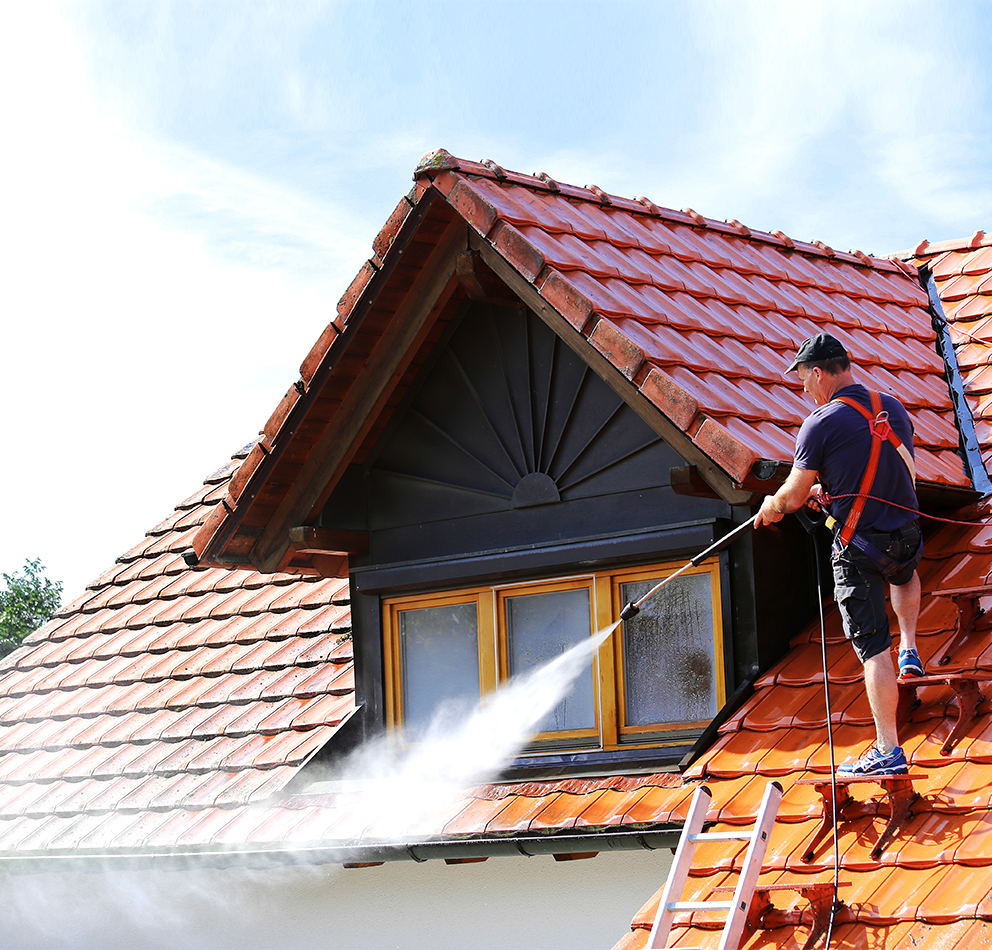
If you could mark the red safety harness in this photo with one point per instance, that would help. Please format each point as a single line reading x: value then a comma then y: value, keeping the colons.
x: 881, y: 431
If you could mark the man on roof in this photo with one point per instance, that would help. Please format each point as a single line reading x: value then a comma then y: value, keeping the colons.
x: 855, y: 444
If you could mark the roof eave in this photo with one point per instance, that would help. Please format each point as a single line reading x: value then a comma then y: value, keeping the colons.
x: 453, y: 850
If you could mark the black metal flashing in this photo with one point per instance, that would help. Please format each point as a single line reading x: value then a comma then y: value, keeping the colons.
x: 547, y: 766
x: 969, y: 446
x: 581, y: 554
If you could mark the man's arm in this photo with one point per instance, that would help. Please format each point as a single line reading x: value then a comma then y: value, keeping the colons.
x: 793, y: 494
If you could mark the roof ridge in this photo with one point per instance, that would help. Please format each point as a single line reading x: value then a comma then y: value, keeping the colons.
x: 927, y: 249
x: 439, y: 160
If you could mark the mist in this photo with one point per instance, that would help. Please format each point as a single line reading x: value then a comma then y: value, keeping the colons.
x: 387, y: 791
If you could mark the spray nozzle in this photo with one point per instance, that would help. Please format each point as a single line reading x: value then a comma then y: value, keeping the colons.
x: 631, y: 610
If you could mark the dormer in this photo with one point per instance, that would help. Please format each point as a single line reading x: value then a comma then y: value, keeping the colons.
x: 535, y: 402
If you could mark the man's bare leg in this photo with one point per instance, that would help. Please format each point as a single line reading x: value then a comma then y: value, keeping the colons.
x: 906, y: 606
x: 883, y: 697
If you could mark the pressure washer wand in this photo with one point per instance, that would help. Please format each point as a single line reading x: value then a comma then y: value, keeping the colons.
x: 634, y: 607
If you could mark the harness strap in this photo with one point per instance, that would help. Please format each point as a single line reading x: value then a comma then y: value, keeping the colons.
x: 881, y: 431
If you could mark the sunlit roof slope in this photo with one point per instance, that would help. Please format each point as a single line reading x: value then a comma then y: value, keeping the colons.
x: 932, y: 886
x: 165, y: 687
x: 705, y: 315
x: 693, y: 319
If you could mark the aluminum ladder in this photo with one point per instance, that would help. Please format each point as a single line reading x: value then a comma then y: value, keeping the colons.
x: 692, y: 835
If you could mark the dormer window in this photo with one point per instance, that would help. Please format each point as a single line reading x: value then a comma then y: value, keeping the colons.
x: 659, y: 679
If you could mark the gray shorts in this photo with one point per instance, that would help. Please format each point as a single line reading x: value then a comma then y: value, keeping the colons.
x: 860, y: 588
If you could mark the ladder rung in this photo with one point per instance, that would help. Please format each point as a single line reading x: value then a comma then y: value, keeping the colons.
x: 700, y: 905
x: 722, y: 836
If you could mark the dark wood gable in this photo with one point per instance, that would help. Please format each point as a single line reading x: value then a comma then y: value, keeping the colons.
x: 511, y: 440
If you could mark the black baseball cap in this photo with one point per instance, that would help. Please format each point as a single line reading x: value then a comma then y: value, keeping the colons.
x: 823, y: 346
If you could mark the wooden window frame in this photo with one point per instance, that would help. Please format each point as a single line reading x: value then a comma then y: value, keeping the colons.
x: 637, y: 736
x: 503, y: 593
x: 610, y: 732
x: 393, y: 645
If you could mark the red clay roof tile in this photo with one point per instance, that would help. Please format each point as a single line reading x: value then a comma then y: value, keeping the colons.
x: 74, y: 674
x: 607, y: 808
x: 252, y: 825
x: 323, y: 711
x: 112, y: 729
x: 219, y: 752
x: 335, y: 617
x: 516, y: 815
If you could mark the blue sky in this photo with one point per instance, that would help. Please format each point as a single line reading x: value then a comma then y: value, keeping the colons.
x: 187, y: 188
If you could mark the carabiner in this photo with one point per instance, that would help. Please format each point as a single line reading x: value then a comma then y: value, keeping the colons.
x: 881, y: 427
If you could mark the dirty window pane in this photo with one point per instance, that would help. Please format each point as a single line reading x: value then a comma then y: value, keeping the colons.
x: 669, y: 668
x: 440, y: 662
x: 542, y: 626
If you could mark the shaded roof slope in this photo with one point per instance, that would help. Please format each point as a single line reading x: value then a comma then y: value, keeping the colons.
x: 164, y: 686
x: 692, y: 320
x: 166, y: 710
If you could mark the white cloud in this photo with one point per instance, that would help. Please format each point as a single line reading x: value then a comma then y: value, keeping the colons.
x: 157, y: 304
x: 863, y: 125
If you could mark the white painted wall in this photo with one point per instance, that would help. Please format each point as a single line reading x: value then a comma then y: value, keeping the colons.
x: 505, y: 903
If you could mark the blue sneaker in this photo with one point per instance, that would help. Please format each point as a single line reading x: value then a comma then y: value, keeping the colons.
x: 877, y: 763
x: 910, y: 664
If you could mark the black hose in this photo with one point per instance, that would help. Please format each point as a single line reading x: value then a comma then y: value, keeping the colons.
x: 810, y: 525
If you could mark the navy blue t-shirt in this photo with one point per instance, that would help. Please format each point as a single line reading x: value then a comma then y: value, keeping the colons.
x: 836, y: 442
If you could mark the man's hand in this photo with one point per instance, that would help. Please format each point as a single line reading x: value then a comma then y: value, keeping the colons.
x: 768, y: 513
x: 817, y: 500
x: 793, y: 494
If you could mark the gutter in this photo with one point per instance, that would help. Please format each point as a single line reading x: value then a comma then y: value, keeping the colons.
x: 969, y: 447
x: 347, y: 855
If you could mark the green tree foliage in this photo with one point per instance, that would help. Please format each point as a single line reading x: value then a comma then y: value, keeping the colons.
x: 28, y: 601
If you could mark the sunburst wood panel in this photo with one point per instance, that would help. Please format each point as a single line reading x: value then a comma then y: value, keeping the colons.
x: 511, y: 417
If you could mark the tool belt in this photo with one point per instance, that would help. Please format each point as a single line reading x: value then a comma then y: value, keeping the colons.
x: 881, y: 431
x: 886, y: 566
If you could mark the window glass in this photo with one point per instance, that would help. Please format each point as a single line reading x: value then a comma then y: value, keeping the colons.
x: 440, y: 650
x: 669, y: 673
x: 656, y: 682
x: 540, y: 627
